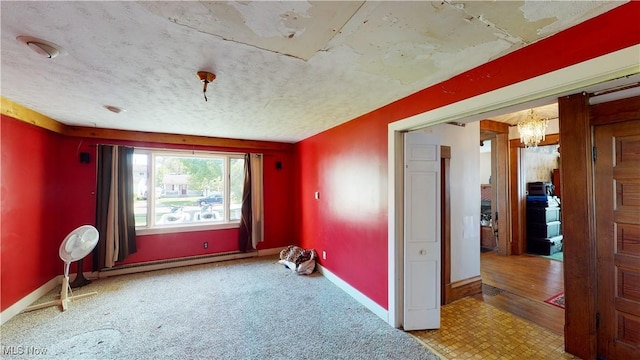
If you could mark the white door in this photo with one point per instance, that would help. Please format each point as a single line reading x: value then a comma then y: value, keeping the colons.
x: 421, y: 231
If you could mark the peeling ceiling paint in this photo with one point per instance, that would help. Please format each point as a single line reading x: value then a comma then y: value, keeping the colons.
x: 286, y: 70
x: 285, y: 27
x: 275, y: 21
x: 561, y: 13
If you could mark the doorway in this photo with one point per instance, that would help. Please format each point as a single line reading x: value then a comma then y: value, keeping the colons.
x: 508, y: 283
x: 518, y: 195
x: 495, y: 219
x: 544, y: 88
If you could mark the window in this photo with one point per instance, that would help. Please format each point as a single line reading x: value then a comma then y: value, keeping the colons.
x: 189, y: 191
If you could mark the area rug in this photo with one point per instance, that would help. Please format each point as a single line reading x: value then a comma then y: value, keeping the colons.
x: 556, y: 300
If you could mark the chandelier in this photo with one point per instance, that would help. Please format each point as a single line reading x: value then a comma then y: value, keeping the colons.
x: 532, y: 129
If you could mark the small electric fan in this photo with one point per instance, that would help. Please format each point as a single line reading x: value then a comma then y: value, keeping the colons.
x: 78, y: 244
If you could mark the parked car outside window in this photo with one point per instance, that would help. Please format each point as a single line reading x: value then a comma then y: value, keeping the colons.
x: 215, y: 198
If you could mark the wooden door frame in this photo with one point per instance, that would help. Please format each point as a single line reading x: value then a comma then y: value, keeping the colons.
x: 500, y: 187
x: 578, y: 218
x: 445, y: 218
x: 518, y: 194
x: 450, y: 291
x: 577, y: 225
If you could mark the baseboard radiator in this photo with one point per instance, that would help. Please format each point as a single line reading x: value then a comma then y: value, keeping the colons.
x: 23, y: 303
x: 179, y: 262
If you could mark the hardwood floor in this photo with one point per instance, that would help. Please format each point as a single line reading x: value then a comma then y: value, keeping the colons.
x: 527, y: 281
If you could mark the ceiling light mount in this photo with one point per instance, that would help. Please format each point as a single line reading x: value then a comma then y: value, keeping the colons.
x: 114, y: 109
x: 42, y: 47
x: 206, y: 77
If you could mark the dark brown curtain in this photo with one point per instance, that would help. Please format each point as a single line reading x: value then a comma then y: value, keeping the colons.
x: 127, y: 218
x: 115, y: 219
x: 244, y: 235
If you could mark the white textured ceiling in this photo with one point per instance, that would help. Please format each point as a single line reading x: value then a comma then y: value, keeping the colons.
x: 546, y: 112
x: 285, y: 70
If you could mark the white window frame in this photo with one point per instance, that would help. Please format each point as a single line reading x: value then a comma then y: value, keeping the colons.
x: 151, y: 228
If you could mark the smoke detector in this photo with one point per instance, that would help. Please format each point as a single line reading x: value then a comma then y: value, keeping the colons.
x: 42, y: 47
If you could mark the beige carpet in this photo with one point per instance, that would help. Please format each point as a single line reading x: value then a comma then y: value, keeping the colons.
x: 243, y: 309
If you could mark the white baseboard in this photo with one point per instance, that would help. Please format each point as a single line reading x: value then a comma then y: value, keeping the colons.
x: 354, y: 293
x: 23, y: 303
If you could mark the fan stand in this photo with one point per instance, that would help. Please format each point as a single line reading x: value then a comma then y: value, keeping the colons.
x: 80, y: 280
x: 64, y: 294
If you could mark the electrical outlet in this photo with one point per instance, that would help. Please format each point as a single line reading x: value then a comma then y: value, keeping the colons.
x: 324, y: 255
x: 206, y: 245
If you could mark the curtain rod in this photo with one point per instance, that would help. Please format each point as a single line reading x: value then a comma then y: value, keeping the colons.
x: 193, y: 151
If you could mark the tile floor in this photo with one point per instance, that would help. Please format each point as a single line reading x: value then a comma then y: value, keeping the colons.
x: 472, y: 329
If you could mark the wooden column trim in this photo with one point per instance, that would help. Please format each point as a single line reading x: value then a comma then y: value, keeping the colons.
x: 501, y: 193
x: 615, y: 111
x: 165, y: 138
x: 578, y: 225
x: 494, y: 126
x: 550, y: 139
x: 21, y: 113
x: 463, y: 288
x: 516, y: 198
x: 445, y: 211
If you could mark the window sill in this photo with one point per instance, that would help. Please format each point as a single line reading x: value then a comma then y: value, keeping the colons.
x: 183, y: 229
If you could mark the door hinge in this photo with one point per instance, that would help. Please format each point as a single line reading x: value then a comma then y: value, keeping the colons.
x: 594, y: 152
x: 597, y: 320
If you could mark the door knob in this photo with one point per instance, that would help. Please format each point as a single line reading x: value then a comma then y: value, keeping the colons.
x: 423, y: 252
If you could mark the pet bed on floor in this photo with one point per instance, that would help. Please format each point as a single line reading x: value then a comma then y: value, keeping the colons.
x: 299, y: 260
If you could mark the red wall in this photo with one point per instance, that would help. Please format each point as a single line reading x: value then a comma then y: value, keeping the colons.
x: 277, y: 198
x: 348, y: 164
x: 47, y: 192
x: 31, y: 209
